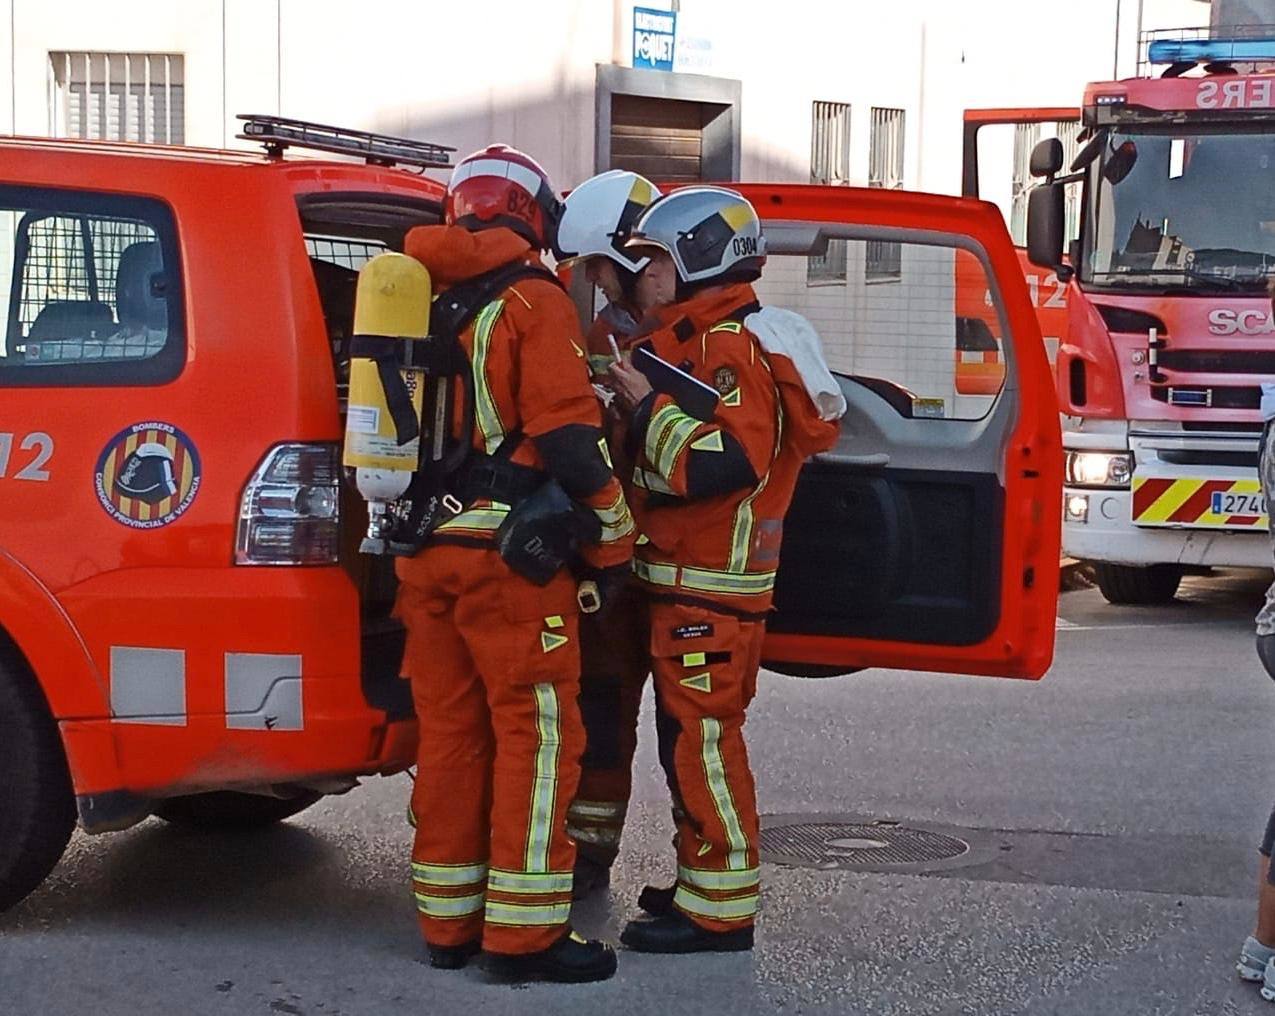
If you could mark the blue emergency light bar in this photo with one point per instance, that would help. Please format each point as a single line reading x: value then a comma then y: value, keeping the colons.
x: 1171, y: 51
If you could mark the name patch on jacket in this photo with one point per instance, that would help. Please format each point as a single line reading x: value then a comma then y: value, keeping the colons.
x: 692, y: 631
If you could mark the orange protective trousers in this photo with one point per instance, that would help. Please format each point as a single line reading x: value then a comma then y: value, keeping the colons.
x: 494, y: 663
x: 705, y: 665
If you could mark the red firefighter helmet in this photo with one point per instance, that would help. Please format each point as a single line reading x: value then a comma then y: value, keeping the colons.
x: 501, y: 186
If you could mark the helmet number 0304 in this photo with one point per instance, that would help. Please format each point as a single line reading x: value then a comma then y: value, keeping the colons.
x: 745, y: 246
x: 38, y: 447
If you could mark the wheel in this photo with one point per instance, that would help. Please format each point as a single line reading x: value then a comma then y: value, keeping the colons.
x: 229, y: 810
x: 1129, y: 584
x: 37, y: 802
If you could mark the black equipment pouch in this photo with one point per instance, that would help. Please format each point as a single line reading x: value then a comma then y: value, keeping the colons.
x: 544, y: 532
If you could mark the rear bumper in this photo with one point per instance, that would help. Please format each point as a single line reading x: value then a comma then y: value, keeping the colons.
x: 1110, y: 536
x: 235, y: 678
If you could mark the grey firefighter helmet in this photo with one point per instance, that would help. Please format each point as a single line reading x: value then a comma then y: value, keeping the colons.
x: 712, y: 233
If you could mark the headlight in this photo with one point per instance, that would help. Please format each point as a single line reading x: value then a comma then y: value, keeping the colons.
x: 1099, y: 469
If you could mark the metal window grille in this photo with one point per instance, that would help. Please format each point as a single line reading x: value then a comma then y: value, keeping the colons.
x: 352, y: 254
x: 829, y: 165
x: 1026, y: 137
x: 884, y: 259
x: 118, y: 97
x: 57, y: 267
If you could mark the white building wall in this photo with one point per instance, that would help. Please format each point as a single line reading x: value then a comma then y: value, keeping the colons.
x: 500, y: 70
x: 497, y: 70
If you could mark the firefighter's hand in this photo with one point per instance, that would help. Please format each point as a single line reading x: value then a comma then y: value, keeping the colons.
x: 629, y: 384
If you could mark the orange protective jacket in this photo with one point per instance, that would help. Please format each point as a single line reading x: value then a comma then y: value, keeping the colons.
x: 710, y: 497
x: 552, y: 404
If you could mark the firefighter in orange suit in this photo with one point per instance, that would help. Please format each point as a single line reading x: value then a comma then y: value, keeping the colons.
x: 595, y: 224
x: 710, y: 497
x: 493, y: 657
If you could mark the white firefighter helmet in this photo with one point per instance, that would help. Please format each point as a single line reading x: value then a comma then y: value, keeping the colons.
x: 712, y: 233
x: 598, y: 214
x: 147, y: 474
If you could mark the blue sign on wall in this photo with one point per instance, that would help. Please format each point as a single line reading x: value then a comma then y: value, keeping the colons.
x: 653, y: 37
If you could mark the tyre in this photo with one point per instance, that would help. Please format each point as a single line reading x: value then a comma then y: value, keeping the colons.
x: 37, y: 802
x: 1132, y: 585
x: 229, y: 810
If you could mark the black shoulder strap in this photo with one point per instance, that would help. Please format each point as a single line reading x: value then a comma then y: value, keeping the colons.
x: 454, y: 309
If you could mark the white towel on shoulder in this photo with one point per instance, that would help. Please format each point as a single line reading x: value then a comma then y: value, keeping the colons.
x: 785, y: 333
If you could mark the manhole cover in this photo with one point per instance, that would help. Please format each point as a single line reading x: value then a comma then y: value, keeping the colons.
x: 858, y: 845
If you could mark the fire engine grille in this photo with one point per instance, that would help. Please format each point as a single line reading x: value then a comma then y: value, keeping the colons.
x: 858, y: 845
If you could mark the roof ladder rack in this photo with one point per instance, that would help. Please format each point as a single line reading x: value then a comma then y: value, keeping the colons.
x: 280, y: 132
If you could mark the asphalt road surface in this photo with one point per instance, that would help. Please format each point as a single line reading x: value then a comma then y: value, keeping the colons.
x: 1104, y: 821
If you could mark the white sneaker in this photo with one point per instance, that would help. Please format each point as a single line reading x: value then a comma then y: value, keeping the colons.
x: 1254, y: 964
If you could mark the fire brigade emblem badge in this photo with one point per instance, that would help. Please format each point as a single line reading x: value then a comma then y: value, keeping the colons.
x: 148, y: 475
x: 725, y: 380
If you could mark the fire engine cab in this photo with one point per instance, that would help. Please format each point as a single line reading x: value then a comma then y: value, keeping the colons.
x: 187, y: 628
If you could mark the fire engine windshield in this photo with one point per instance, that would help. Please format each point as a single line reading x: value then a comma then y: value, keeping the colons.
x: 1186, y: 211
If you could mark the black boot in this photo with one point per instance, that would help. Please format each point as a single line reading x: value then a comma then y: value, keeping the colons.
x: 657, y: 900
x: 453, y: 957
x: 590, y: 876
x: 677, y: 933
x: 1266, y: 652
x: 570, y: 960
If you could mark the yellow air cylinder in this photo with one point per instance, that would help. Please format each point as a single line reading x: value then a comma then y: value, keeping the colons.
x: 392, y: 301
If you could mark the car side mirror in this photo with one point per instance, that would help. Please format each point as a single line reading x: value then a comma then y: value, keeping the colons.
x: 1047, y: 158
x: 1046, y: 228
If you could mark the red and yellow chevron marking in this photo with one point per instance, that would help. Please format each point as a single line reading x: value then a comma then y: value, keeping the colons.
x: 1189, y: 502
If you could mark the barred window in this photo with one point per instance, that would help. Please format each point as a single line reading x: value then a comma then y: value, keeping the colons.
x: 118, y: 97
x: 885, y: 169
x: 829, y: 165
x: 1026, y: 137
x: 93, y: 290
x: 337, y: 250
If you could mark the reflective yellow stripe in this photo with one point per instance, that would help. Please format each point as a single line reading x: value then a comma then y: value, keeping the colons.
x: 656, y: 574
x: 658, y: 429
x: 605, y: 810
x: 605, y: 449
x: 544, y: 789
x: 448, y: 874
x: 741, y: 539
x: 721, y: 910
x: 708, y: 580
x: 694, y: 659
x: 486, y: 519
x: 727, y: 326
x: 617, y: 520
x: 522, y: 915
x: 680, y: 435
x: 722, y: 881
x: 487, y: 415
x: 715, y: 777
x: 648, y: 480
x: 529, y: 883
x: 449, y: 906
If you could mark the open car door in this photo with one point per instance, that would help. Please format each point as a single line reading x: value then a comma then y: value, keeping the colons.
x: 928, y: 539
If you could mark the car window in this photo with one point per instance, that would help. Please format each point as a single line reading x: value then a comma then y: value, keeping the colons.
x: 89, y: 290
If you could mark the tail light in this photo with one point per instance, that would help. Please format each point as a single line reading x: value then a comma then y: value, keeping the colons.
x: 289, y: 513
